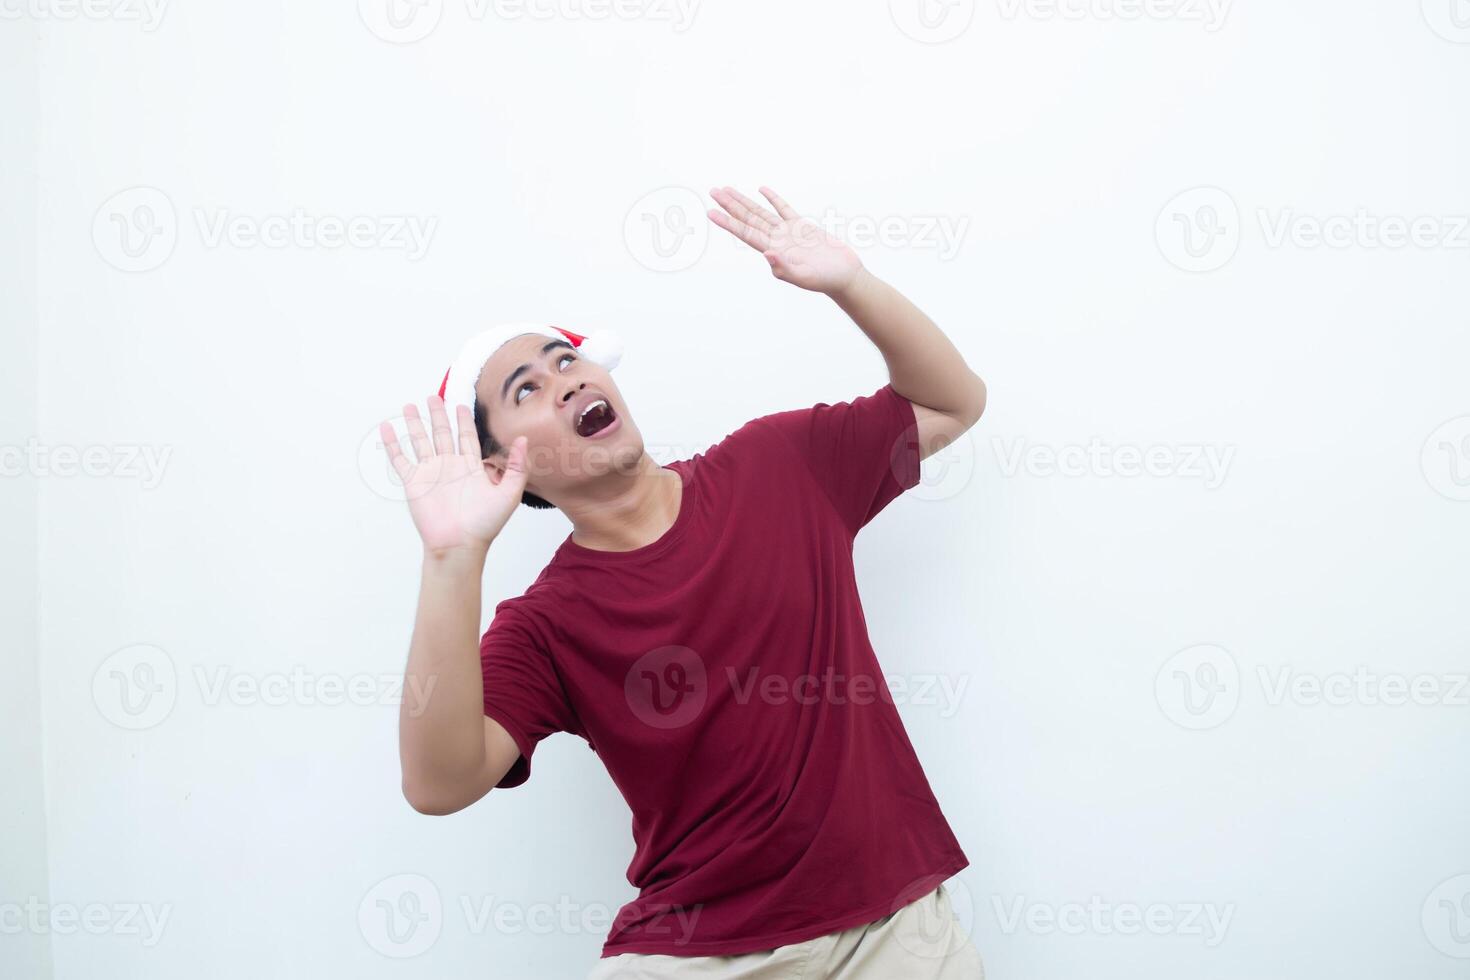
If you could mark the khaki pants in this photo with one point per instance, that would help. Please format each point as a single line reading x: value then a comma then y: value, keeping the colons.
x: 921, y: 941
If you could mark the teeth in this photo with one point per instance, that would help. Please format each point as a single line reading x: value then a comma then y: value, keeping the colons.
x: 583, y: 414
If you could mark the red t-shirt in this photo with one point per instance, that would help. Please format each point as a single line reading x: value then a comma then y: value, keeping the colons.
x: 724, y: 676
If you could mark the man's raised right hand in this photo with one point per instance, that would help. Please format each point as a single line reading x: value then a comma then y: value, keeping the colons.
x: 454, y: 496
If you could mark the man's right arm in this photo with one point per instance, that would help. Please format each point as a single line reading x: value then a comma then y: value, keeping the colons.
x: 452, y: 753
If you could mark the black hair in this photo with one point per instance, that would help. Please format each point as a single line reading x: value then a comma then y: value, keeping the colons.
x: 489, y: 447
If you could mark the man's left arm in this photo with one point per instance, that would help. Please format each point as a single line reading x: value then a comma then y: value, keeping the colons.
x: 923, y: 365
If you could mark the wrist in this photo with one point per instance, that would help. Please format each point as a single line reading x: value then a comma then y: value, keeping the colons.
x: 860, y: 281
x: 461, y: 557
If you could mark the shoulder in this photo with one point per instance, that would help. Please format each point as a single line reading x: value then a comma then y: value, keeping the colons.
x: 810, y: 430
x: 882, y: 410
x: 532, y: 613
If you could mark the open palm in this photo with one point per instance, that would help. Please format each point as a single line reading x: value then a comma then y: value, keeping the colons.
x: 452, y: 497
x: 799, y: 250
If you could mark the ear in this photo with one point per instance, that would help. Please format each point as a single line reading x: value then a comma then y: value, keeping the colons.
x: 495, y: 470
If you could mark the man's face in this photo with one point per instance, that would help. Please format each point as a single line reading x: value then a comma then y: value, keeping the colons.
x: 572, y: 415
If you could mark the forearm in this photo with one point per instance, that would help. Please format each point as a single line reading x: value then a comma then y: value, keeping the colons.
x: 440, y: 728
x: 924, y: 366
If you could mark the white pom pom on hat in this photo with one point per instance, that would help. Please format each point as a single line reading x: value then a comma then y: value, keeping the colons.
x: 605, y: 349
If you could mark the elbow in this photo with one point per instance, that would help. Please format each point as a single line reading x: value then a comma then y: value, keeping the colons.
x: 976, y: 405
x: 428, y: 802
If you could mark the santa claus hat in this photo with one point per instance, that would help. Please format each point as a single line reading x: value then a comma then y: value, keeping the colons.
x: 604, y: 349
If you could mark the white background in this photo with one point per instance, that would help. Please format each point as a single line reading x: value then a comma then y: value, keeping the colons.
x: 1106, y: 298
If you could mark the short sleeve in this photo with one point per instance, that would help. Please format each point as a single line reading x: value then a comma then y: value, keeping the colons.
x: 863, y: 453
x: 522, y: 690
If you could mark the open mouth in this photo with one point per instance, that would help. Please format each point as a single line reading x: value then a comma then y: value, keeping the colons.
x: 596, y: 418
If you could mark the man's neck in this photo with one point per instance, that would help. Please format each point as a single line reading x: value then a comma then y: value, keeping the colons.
x: 633, y: 510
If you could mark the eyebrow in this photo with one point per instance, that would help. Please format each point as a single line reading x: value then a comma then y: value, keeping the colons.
x: 546, y: 349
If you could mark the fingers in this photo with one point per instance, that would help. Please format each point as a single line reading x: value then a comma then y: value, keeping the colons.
x: 439, y: 422
x: 469, y: 441
x: 786, y: 211
x: 416, y: 433
x: 755, y: 212
x: 744, y: 209
x: 396, y: 459
x: 755, y: 239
